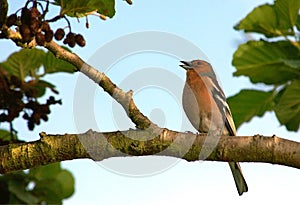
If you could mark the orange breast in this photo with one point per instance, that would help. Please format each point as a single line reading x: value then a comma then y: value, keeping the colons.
x: 199, y: 105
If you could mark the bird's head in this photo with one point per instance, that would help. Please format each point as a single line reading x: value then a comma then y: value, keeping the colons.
x: 200, y: 66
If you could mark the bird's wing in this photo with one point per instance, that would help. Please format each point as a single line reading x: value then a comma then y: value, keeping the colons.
x: 220, y: 99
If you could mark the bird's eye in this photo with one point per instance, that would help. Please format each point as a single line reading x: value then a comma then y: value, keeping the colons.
x: 199, y: 63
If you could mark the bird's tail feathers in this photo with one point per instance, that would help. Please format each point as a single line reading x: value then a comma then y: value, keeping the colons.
x: 239, y: 179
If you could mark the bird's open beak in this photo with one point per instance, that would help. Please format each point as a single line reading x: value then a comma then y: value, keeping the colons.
x: 186, y: 65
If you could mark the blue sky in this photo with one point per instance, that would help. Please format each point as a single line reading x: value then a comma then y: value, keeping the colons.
x: 209, y: 26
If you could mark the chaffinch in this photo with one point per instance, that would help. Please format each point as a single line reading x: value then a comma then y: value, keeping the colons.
x: 205, y: 105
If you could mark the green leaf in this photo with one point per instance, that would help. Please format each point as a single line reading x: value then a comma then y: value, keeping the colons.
x: 24, y: 62
x: 49, y: 190
x: 6, y: 136
x: 53, y: 65
x: 51, y: 185
x: 75, y: 8
x: 298, y: 23
x: 261, y: 20
x: 249, y: 103
x: 13, y: 199
x: 288, y: 108
x: 66, y: 180
x: 45, y: 172
x: 272, y: 20
x: 53, y: 182
x: 5, y: 194
x: 18, y: 189
x: 105, y: 7
x: 287, y: 13
x: 267, y: 62
x: 13, y: 185
x: 27, y: 62
x: 41, y: 86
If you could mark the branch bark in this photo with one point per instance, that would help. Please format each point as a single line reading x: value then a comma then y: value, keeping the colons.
x: 163, y: 142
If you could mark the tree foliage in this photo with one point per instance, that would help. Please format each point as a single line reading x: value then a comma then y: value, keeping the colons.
x: 273, y: 60
x: 48, y: 183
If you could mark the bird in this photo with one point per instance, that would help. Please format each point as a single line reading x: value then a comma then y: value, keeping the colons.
x: 205, y: 106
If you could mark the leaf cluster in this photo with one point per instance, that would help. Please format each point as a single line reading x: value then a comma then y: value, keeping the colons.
x: 49, y: 184
x: 272, y: 60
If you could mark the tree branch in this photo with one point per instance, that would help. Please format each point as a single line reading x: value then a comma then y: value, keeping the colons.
x: 124, y: 98
x: 99, y: 146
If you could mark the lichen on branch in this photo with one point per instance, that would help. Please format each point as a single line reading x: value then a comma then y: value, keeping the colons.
x: 99, y: 146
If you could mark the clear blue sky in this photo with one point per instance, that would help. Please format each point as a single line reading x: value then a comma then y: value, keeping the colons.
x: 209, y: 26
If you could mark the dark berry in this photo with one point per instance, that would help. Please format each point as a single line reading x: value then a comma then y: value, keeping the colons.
x: 25, y: 116
x: 80, y: 40
x: 44, y: 117
x: 25, y: 16
x: 31, y: 92
x: 3, y: 117
x: 31, y: 105
x: 71, y: 36
x: 59, y: 34
x: 12, y: 114
x: 35, y: 25
x: 17, y: 94
x: 15, y: 81
x: 49, y: 36
x: 44, y: 109
x: 66, y: 41
x: 72, y: 44
x: 11, y: 20
x: 45, y: 26
x: 34, y: 12
x: 30, y: 125
x: 40, y: 39
x: 25, y: 32
x: 47, y: 109
x: 36, y: 117
x: 51, y: 100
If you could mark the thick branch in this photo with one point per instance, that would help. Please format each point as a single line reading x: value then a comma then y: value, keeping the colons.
x: 99, y: 146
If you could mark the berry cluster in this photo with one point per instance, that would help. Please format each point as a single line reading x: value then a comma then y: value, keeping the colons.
x: 71, y: 39
x: 32, y: 24
x: 38, y: 112
x: 17, y: 96
x: 10, y: 101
